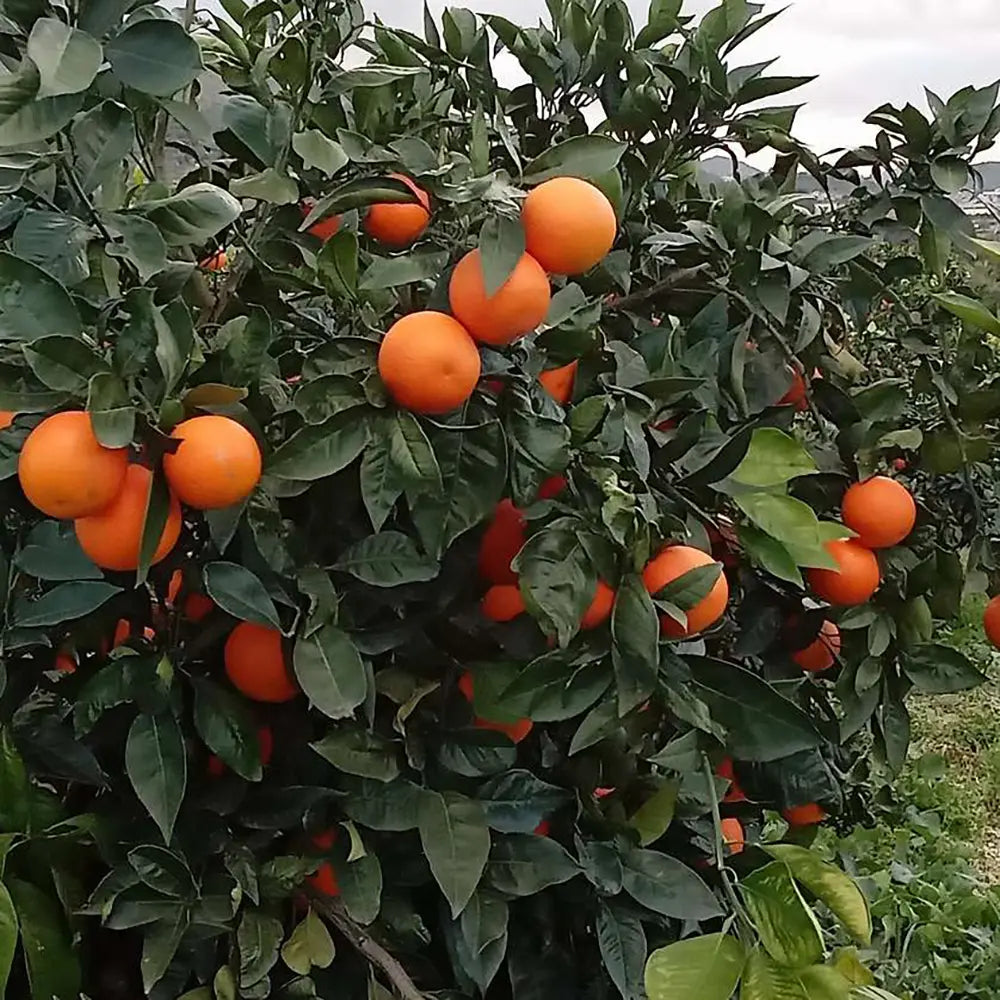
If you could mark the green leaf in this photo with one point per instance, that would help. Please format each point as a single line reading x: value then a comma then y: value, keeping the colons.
x: 156, y: 764
x: 358, y: 194
x: 156, y: 517
x: 760, y: 723
x: 330, y: 671
x: 359, y: 752
x: 828, y: 883
x: 226, y: 725
x: 9, y: 932
x: 667, y: 886
x: 769, y: 86
x: 39, y: 119
x: 237, y: 591
x: 586, y: 156
x: 102, y: 138
x: 456, y: 843
x: 474, y: 753
x: 64, y: 603
x: 655, y: 815
x: 19, y: 88
x: 701, y: 968
x: 623, y: 948
x: 111, y: 414
x: 769, y: 554
x: 481, y: 942
x: 523, y: 864
x: 692, y: 587
x: 790, y: 521
x: 33, y: 304
x: 320, y: 450
x: 516, y: 802
x: 969, y: 311
x: 950, y: 173
x: 67, y: 59
x: 788, y: 928
x: 635, y: 633
x: 155, y: 56
x: 387, y: 559
x: 391, y: 272
x: 258, y: 939
x: 765, y: 979
x: 337, y: 264
x: 269, y: 185
x: 53, y: 968
x: 501, y: 246
x: 372, y: 75
x: 389, y: 807
x: 361, y: 888
x: 159, y: 945
x: 51, y: 552
x: 411, y: 453
x: 308, y: 945
x: 818, y: 250
x: 163, y: 871
x: 773, y: 459
x: 381, y: 485
x: 65, y: 364
x: 55, y: 242
x: 319, y: 151
x: 938, y: 669
x: 194, y: 215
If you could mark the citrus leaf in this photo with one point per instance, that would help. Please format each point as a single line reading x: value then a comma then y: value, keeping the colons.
x: 456, y: 843
x: 330, y: 671
x: 156, y: 764
x: 237, y: 591
x: 701, y: 968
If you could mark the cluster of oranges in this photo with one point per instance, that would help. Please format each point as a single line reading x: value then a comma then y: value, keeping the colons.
x: 429, y: 361
x: 67, y: 473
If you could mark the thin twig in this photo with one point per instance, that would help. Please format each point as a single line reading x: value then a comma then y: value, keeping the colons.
x: 81, y: 195
x: 370, y: 949
x: 669, y: 283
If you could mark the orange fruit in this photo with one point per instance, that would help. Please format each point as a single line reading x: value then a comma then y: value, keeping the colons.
x: 112, y: 537
x: 429, y: 363
x: 516, y: 731
x: 398, y: 225
x: 558, y: 382
x: 503, y: 603
x: 65, y: 663
x: 808, y: 815
x: 515, y: 309
x: 65, y: 471
x: 796, y: 395
x: 671, y: 564
x: 255, y: 663
x: 991, y: 621
x: 727, y: 770
x: 552, y: 487
x: 325, y: 880
x: 216, y: 262
x: 600, y: 607
x: 569, y: 225
x: 822, y: 652
x: 856, y: 579
x: 502, y: 540
x: 198, y: 607
x: 6, y: 419
x: 733, y: 836
x: 217, y: 464
x: 880, y: 511
x: 543, y: 829
x: 323, y: 229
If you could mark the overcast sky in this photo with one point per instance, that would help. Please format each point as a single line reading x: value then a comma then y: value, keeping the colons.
x: 865, y: 52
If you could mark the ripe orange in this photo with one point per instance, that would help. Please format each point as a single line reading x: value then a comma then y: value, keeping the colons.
x: 216, y: 262
x: 429, y: 363
x: 569, y: 225
x: 671, y: 564
x: 112, y: 537
x: 516, y: 731
x: 196, y: 606
x: 558, y: 382
x: 822, y: 652
x: 398, y: 225
x: 6, y: 419
x: 733, y: 836
x: 218, y: 463
x: 502, y: 540
x: 796, y: 395
x: 65, y: 471
x: 65, y: 663
x: 255, y: 663
x: 503, y: 603
x: 552, y: 487
x: 543, y: 829
x: 325, y: 880
x: 856, y: 579
x: 600, y: 607
x: 727, y: 770
x: 323, y: 229
x: 991, y: 621
x: 808, y: 815
x: 515, y: 309
x: 880, y: 510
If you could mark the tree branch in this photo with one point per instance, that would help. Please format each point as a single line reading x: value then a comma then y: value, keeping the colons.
x: 669, y: 283
x: 369, y: 948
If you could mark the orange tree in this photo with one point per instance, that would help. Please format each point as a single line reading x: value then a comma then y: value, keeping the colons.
x: 427, y: 514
